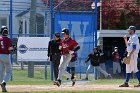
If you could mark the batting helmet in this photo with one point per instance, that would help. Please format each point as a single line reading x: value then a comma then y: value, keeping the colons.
x: 4, y: 31
x: 66, y: 31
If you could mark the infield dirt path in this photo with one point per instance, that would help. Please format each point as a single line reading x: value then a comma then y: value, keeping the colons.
x: 80, y: 86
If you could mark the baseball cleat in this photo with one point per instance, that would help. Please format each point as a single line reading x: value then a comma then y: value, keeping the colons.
x: 3, y: 87
x: 54, y: 83
x: 58, y: 83
x: 109, y: 76
x: 124, y: 85
x: 73, y: 79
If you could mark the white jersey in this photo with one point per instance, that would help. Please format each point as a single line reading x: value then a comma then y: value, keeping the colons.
x: 133, y: 40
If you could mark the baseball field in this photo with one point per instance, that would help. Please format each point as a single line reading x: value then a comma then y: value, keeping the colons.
x: 22, y: 84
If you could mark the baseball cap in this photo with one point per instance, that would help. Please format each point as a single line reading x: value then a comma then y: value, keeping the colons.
x: 131, y: 28
x: 66, y: 31
x: 57, y: 34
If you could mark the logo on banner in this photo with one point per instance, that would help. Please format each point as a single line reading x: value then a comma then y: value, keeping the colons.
x: 22, y: 49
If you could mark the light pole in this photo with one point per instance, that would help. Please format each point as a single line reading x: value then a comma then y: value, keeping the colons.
x: 96, y: 14
x: 94, y: 6
x: 101, y: 15
x: 100, y: 42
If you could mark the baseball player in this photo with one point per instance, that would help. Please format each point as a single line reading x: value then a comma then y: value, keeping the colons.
x: 5, y: 65
x: 67, y: 46
x: 94, y: 60
x: 133, y: 49
x: 116, y: 62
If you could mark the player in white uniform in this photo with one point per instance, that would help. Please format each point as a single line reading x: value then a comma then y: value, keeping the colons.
x: 133, y: 49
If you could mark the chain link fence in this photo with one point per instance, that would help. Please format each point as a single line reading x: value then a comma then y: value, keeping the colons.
x: 33, y: 18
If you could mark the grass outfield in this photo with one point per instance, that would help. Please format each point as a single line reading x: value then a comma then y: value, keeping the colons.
x: 20, y: 77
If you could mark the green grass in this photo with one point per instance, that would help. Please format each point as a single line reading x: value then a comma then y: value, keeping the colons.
x: 20, y: 77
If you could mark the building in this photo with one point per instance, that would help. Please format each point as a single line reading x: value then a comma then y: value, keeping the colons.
x: 21, y: 16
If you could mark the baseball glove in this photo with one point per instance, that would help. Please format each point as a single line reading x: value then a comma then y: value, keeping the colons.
x: 126, y: 60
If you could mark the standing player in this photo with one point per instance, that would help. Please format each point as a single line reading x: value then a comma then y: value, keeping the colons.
x: 67, y: 46
x: 54, y: 53
x: 116, y: 62
x: 5, y: 65
x: 133, y: 49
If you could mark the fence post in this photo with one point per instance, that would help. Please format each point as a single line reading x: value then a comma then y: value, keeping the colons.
x: 11, y: 25
x: 52, y: 32
x: 95, y: 34
x: 45, y: 71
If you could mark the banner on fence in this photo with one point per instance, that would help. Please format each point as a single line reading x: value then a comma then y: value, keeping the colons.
x: 32, y: 48
x: 81, y: 29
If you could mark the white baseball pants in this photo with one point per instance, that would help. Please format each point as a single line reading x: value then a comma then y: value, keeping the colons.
x: 5, y: 68
x: 133, y: 64
x: 62, y: 67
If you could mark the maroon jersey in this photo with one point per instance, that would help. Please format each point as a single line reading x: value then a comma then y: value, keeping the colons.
x: 115, y: 57
x: 67, y: 45
x: 5, y: 44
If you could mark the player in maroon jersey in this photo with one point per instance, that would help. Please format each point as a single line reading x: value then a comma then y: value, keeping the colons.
x: 5, y: 65
x: 67, y: 46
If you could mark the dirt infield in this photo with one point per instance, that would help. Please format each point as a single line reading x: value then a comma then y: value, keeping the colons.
x: 80, y: 86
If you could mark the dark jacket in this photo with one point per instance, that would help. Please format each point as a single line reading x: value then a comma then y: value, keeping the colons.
x: 53, y: 47
x: 102, y: 58
x: 94, y: 58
